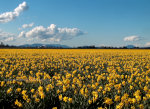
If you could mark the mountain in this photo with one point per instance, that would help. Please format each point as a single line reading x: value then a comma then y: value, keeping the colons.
x: 130, y: 46
x: 38, y: 45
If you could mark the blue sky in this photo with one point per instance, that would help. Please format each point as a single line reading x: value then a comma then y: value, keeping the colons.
x: 75, y: 22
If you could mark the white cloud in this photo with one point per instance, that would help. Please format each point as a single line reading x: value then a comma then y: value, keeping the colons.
x: 24, y: 26
x: 52, y: 33
x: 22, y: 34
x: 5, y: 36
x: 9, y: 16
x: 30, y: 39
x: 132, y: 38
x: 101, y: 45
x: 147, y: 44
x: 9, y: 39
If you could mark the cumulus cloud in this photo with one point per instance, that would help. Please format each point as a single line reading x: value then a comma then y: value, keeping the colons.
x: 24, y: 26
x: 52, y: 33
x: 5, y: 36
x: 132, y: 38
x: 21, y: 34
x: 147, y: 44
x: 9, y: 16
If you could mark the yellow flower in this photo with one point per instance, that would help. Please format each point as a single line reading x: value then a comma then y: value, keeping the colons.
x: 119, y: 106
x: 89, y: 101
x: 133, y: 100
x: 141, y: 106
x: 95, y: 95
x: 93, y: 86
x: 54, y: 108
x: 82, y: 91
x: 47, y: 89
x: 99, y: 108
x: 1, y: 73
x: 100, y: 89
x: 2, y: 83
x: 138, y: 98
x: 58, y: 91
x: 42, y: 95
x: 131, y: 87
x: 104, y: 92
x: 137, y: 93
x: 37, y: 99
x: 68, y: 75
x: 70, y: 100
x: 60, y: 97
x: 19, y: 104
x: 124, y: 97
x: 132, y: 107
x: 28, y: 100
x: 18, y: 89
x: 24, y: 92
x: 145, y: 88
x: 64, y: 89
x: 124, y: 83
x: 73, y: 86
x: 86, y: 90
x: 75, y: 91
x: 32, y: 90
x: 40, y: 88
x: 144, y: 98
x: 74, y: 72
x: 9, y: 90
x: 20, y: 83
x: 25, y: 97
x: 65, y: 99
x: 117, y: 98
x: 108, y: 101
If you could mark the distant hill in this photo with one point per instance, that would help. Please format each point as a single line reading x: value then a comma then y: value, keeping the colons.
x: 130, y: 46
x: 38, y: 45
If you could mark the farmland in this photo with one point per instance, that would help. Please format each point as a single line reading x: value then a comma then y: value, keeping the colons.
x: 74, y: 79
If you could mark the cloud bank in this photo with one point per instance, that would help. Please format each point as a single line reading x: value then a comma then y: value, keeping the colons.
x: 9, y: 39
x: 5, y: 36
x: 9, y: 16
x: 132, y: 38
x: 51, y: 33
x: 147, y: 44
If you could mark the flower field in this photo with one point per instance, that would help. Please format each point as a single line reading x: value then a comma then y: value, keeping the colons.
x: 74, y: 79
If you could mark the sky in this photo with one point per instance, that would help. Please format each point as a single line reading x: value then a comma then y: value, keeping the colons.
x: 75, y: 22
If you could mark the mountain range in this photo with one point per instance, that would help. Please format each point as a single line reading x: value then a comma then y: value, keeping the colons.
x: 45, y: 45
